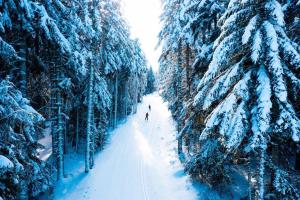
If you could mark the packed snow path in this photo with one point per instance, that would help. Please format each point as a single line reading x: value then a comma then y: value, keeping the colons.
x: 140, y: 163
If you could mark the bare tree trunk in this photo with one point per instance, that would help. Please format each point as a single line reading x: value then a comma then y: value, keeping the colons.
x: 126, y: 98
x: 249, y: 179
x: 56, y: 120
x: 136, y: 93
x: 89, y: 120
x: 112, y: 106
x: 188, y: 72
x: 179, y: 94
x: 60, y: 139
x: 262, y: 161
x: 93, y: 139
x: 116, y: 100
x: 111, y: 117
x: 65, y: 131
x: 179, y: 145
x: 77, y: 130
x: 297, y: 163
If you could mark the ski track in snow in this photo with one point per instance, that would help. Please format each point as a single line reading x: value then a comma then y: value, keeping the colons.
x: 140, y: 163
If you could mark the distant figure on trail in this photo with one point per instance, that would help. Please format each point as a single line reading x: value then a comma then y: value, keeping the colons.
x: 147, y: 116
x: 149, y: 108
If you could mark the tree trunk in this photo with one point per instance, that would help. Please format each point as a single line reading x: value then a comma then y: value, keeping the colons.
x: 60, y: 154
x: 111, y: 117
x: 180, y: 145
x: 262, y: 174
x: 112, y: 106
x: 179, y: 94
x: 77, y: 130
x: 89, y: 120
x: 93, y: 139
x: 126, y: 99
x: 188, y: 91
x: 250, y: 190
x: 23, y: 70
x: 116, y: 100
x: 136, y: 93
x: 65, y: 132
x: 56, y: 120
x: 297, y: 163
x: 191, y: 143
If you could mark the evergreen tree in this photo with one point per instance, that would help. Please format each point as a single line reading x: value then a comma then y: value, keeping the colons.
x: 150, y: 82
x: 246, y: 70
x: 62, y: 55
x: 22, y: 173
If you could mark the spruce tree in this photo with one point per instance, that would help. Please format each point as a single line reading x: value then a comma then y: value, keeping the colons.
x: 150, y: 82
x: 245, y: 89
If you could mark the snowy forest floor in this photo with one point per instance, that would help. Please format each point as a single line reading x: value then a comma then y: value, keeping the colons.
x: 139, y: 163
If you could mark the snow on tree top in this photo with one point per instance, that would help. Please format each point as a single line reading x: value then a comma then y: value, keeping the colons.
x: 5, y: 163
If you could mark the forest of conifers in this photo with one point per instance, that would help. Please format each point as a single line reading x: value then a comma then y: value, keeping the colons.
x: 230, y: 70
x: 67, y: 63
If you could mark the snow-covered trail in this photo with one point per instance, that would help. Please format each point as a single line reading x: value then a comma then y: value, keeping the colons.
x: 140, y: 163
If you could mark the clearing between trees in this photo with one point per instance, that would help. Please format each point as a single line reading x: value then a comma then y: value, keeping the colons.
x: 141, y: 162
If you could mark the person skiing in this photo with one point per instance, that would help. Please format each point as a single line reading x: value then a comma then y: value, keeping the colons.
x: 147, y: 116
x: 149, y: 108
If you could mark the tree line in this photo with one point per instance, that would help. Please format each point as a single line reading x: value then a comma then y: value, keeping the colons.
x: 231, y: 72
x: 69, y: 66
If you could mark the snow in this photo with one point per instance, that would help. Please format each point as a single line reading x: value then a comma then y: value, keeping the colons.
x: 256, y: 47
x: 264, y: 98
x: 261, y: 112
x: 52, y: 31
x: 223, y: 84
x: 262, y: 161
x: 275, y: 66
x: 276, y: 11
x: 139, y: 163
x: 249, y: 29
x: 45, y: 152
x: 6, y: 50
x: 219, y: 61
x: 291, y: 53
x: 5, y: 162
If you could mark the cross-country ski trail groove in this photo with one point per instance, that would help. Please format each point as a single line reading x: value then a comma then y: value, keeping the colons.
x: 139, y: 163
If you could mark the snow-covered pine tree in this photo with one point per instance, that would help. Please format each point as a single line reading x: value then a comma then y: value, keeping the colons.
x: 28, y: 18
x: 171, y: 37
x: 150, y: 81
x: 110, y: 41
x: 121, y: 57
x: 190, y: 27
x: 138, y: 72
x: 17, y: 19
x: 199, y: 19
x: 58, y: 81
x: 245, y: 90
x: 90, y: 108
x: 101, y: 96
x: 48, y: 47
x: 200, y: 30
x: 22, y: 174
x: 292, y: 19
